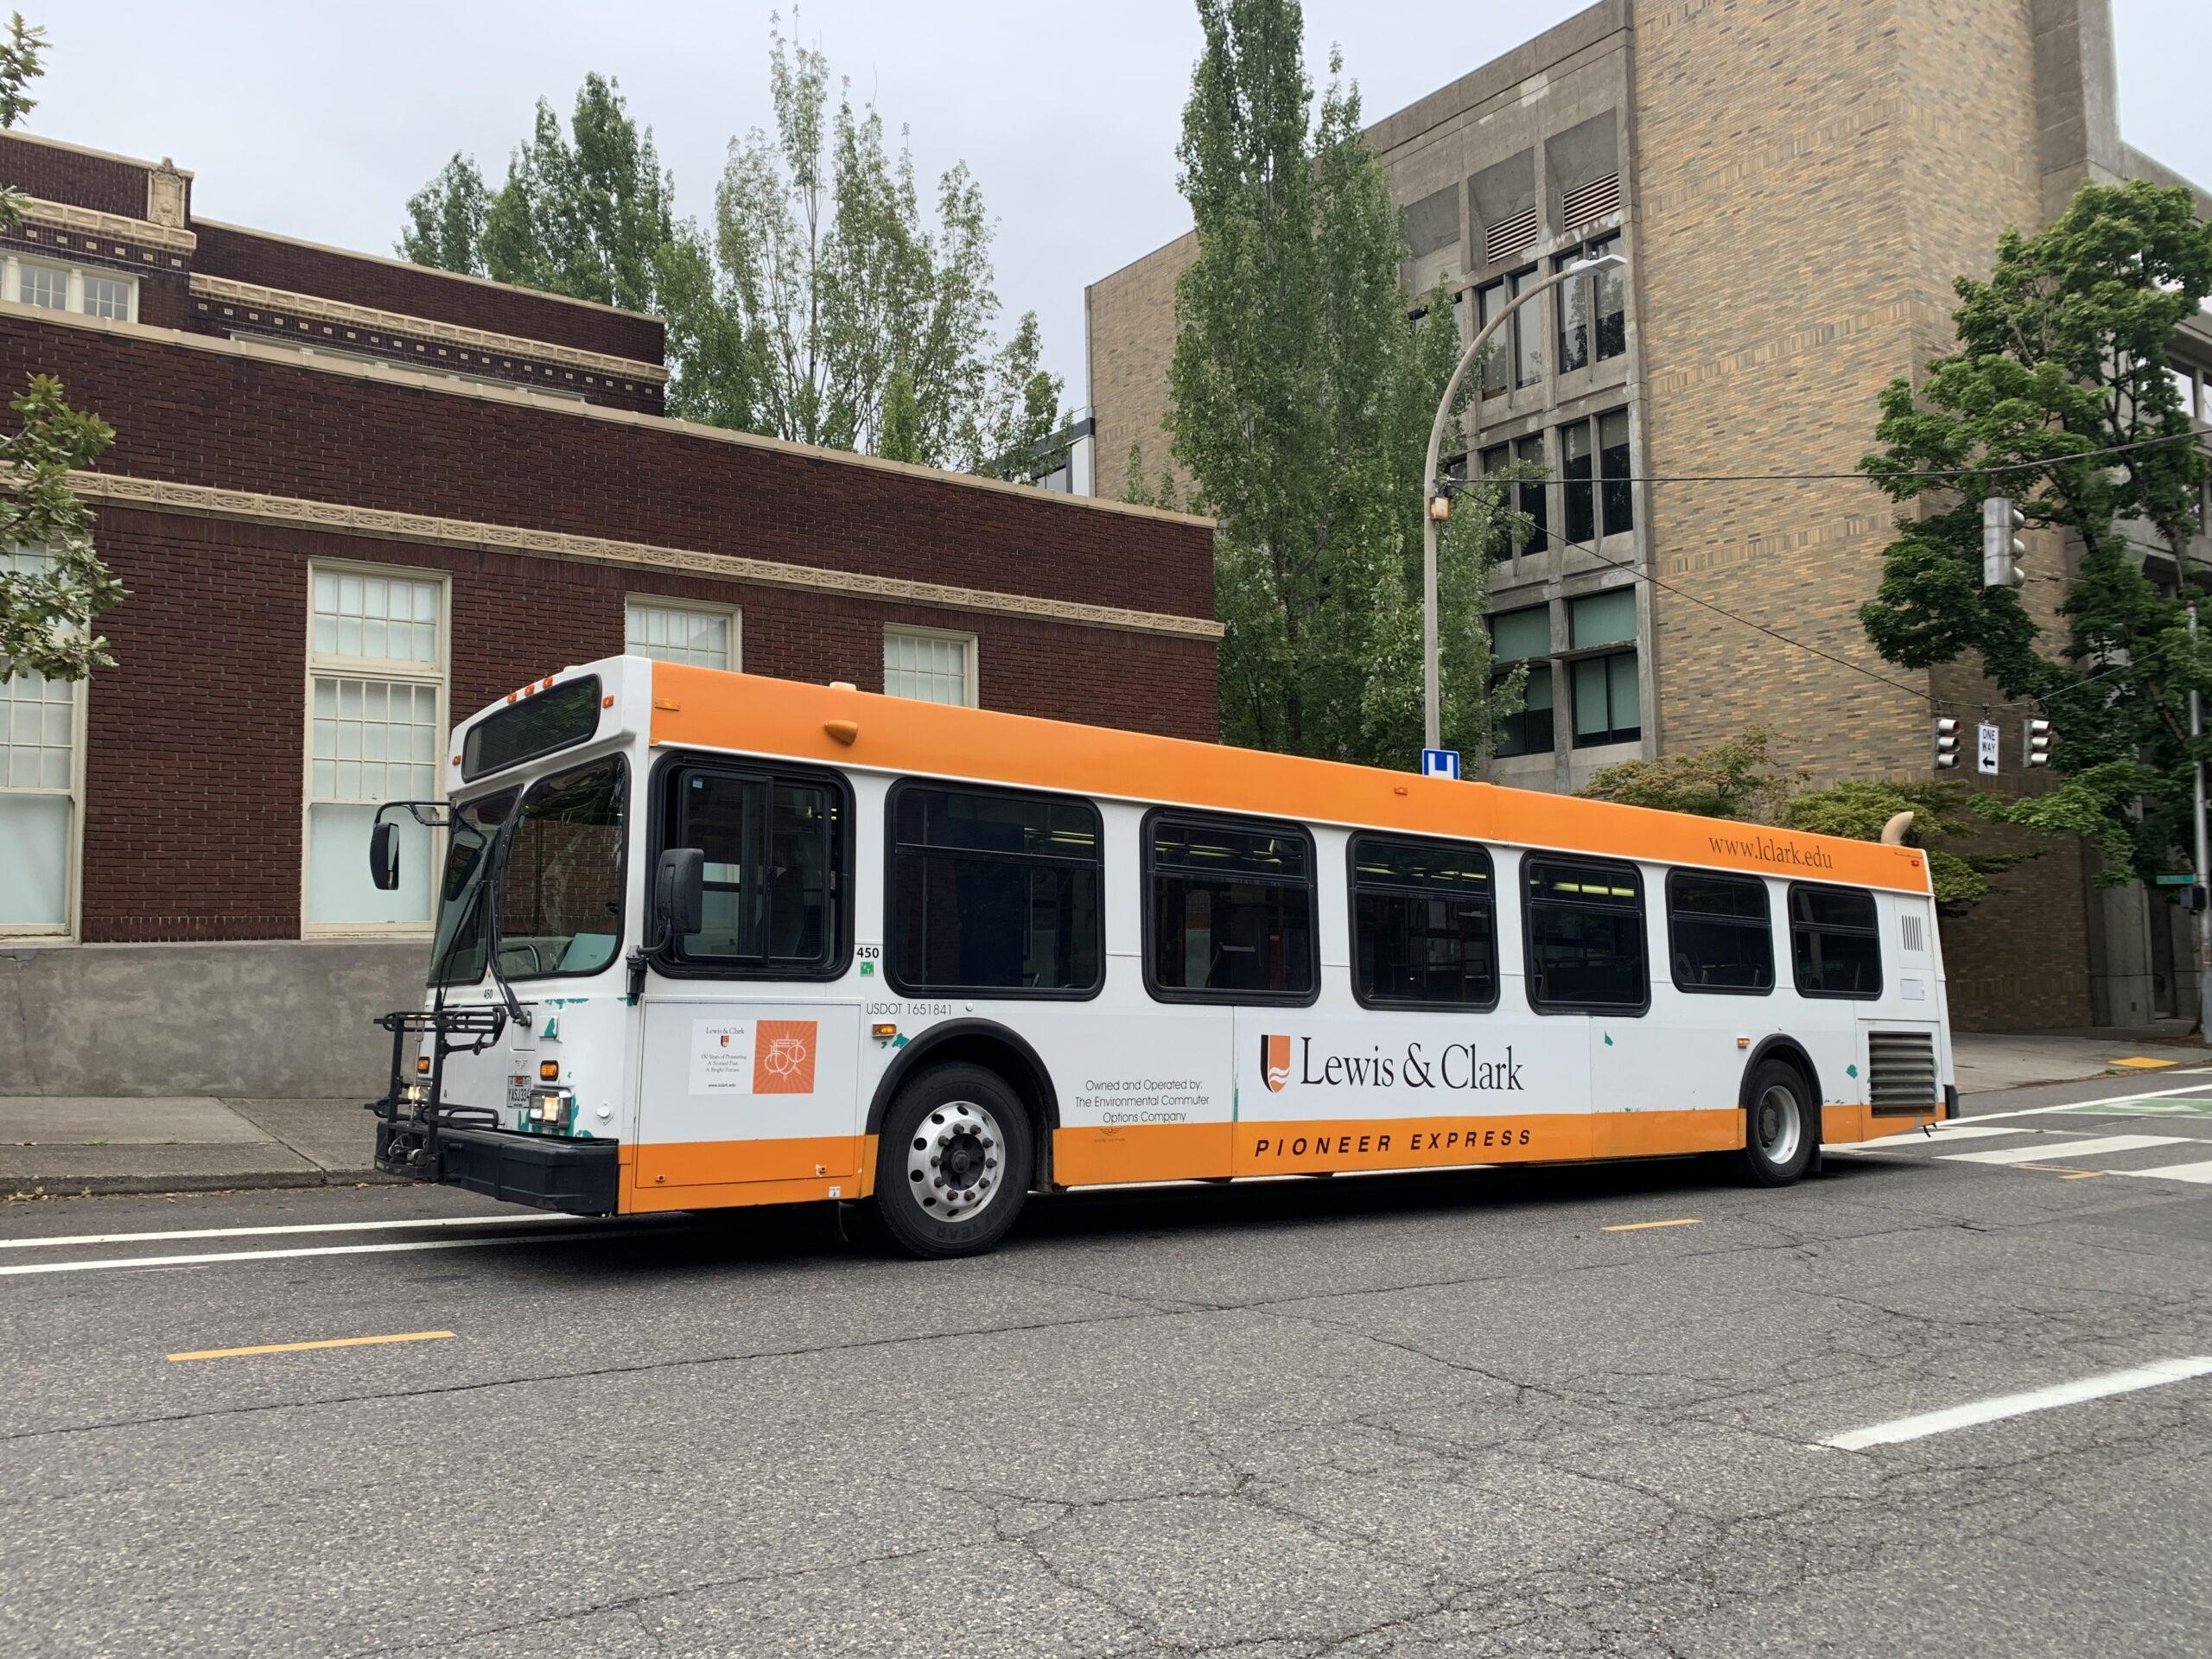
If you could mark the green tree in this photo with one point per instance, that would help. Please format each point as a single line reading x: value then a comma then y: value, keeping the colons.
x: 1738, y: 778
x: 445, y: 219
x: 850, y: 307
x: 47, y: 600
x: 2062, y: 359
x: 1302, y: 393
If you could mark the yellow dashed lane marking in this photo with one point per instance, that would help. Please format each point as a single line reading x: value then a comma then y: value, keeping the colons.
x: 302, y: 1347
x: 1639, y: 1226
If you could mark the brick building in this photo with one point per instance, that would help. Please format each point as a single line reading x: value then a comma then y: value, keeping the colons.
x: 1794, y: 188
x: 354, y: 499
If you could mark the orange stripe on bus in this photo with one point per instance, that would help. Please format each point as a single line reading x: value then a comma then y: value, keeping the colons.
x: 749, y: 714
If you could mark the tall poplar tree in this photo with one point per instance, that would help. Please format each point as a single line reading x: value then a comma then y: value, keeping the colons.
x: 1304, y: 379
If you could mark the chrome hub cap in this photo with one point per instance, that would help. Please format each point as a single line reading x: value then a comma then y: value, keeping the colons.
x: 1778, y: 1121
x: 953, y: 1161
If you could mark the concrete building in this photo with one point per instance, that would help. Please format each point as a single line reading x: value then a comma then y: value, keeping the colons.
x: 354, y: 499
x: 1794, y: 188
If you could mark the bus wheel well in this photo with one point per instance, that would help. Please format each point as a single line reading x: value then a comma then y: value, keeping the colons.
x: 1792, y: 1054
x: 977, y: 1042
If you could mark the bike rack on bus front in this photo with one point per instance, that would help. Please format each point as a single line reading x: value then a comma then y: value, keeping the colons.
x: 416, y: 1109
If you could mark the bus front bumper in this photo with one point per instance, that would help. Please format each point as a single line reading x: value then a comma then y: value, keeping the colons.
x: 544, y: 1172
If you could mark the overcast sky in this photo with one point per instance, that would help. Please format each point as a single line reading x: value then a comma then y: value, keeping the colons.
x: 318, y: 121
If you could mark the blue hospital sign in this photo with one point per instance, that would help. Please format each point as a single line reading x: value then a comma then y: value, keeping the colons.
x: 1439, y: 763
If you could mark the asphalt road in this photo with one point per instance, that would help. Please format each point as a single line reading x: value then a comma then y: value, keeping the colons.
x: 1424, y: 1415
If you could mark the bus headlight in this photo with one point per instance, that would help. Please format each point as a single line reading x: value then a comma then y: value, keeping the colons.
x: 414, y: 1094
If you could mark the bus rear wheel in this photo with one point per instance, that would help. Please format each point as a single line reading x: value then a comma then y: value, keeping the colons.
x: 1781, y: 1124
x: 953, y: 1162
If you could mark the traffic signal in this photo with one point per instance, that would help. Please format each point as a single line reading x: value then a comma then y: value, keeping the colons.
x: 2036, y: 743
x: 1946, y: 743
x: 2001, y: 547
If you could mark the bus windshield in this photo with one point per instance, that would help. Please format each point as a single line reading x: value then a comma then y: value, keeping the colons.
x: 559, y: 860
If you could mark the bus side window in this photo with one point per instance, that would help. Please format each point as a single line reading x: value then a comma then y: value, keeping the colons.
x: 774, y: 846
x: 1835, y: 945
x: 994, y: 892
x: 1424, y: 924
x: 1584, y: 926
x: 1229, y: 910
x: 1720, y: 937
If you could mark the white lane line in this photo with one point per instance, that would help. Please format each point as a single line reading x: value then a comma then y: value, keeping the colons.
x: 2102, y: 1100
x: 301, y: 1227
x: 1909, y: 1140
x: 209, y: 1257
x: 2019, y: 1405
x: 2071, y: 1151
x: 2201, y: 1174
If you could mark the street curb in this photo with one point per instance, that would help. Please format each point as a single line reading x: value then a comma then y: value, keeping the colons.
x: 65, y: 1186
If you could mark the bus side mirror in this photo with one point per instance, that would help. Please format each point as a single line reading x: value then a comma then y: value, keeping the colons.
x: 384, y: 855
x: 680, y: 892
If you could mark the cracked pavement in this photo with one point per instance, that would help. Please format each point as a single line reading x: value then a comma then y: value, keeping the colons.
x: 1435, y: 1415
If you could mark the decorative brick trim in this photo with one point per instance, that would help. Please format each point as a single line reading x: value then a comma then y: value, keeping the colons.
x: 276, y: 301
x: 206, y: 501
x: 112, y: 227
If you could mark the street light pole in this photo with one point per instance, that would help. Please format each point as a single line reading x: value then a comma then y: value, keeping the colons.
x: 1433, y: 489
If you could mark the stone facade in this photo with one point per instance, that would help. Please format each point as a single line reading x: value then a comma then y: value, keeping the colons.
x: 1795, y: 190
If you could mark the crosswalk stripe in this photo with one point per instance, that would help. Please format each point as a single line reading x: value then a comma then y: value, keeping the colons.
x: 2200, y: 1173
x: 1908, y: 1142
x: 2057, y: 1147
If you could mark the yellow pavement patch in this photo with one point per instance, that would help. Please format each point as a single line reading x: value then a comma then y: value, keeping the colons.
x: 2061, y: 1170
x: 2141, y: 1063
x: 302, y: 1347
x: 1639, y: 1226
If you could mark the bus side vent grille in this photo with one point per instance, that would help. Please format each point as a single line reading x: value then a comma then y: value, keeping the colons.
x: 1901, y: 1068
x: 1915, y: 933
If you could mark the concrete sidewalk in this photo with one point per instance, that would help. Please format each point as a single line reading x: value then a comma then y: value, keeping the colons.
x: 63, y: 1144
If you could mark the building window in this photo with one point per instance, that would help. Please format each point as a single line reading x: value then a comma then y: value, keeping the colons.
x: 1423, y: 924
x: 69, y: 288
x: 995, y: 893
x: 1594, y: 452
x: 703, y: 636
x: 1231, y: 912
x: 1592, y: 308
x: 41, y: 747
x: 932, y: 665
x: 1835, y: 946
x: 1584, y: 926
x: 376, y: 721
x: 1490, y: 301
x: 1525, y: 636
x: 1720, y: 937
x: 1528, y: 332
x: 1526, y: 495
x: 1608, y: 704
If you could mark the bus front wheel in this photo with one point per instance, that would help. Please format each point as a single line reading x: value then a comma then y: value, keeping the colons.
x: 953, y: 1162
x: 1781, y: 1124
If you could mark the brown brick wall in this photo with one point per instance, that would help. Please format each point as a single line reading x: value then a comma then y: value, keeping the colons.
x: 193, y: 824
x: 247, y: 257
x: 2019, y: 960
x: 210, y: 417
x: 105, y: 184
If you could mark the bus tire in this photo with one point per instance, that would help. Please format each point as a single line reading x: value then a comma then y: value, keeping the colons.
x: 1781, y: 1124
x: 953, y: 1162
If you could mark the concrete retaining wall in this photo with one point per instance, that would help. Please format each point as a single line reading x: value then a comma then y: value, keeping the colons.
x: 263, y: 1019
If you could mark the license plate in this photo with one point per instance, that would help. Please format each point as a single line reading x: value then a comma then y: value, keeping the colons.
x: 518, y: 1094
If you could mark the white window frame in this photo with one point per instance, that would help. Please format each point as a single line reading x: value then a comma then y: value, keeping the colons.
x: 392, y: 672
x: 967, y: 642
x: 734, y: 614
x: 73, y: 903
x: 11, y: 283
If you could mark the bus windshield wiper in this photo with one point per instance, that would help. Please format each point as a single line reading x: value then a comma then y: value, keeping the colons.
x: 494, y: 873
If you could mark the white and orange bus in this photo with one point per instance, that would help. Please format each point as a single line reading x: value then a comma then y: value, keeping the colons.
x: 705, y: 939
